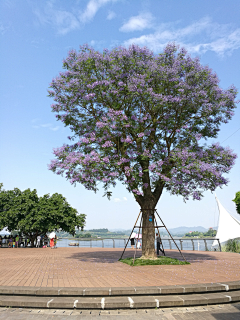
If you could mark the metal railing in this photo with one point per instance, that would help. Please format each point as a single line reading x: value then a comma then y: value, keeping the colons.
x: 195, y: 244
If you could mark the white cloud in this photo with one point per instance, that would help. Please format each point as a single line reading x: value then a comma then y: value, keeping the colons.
x: 120, y: 200
x: 92, y: 7
x: 54, y: 128
x: 65, y: 21
x: 111, y: 15
x: 198, y: 37
x: 44, y: 125
x: 227, y: 44
x: 137, y: 23
x: 4, y: 28
x: 96, y: 43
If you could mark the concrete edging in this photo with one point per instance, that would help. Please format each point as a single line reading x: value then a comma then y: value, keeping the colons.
x: 124, y: 302
x: 120, y: 298
x: 121, y: 291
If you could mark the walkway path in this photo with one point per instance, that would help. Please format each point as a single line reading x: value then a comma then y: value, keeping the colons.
x: 99, y: 267
x: 218, y: 312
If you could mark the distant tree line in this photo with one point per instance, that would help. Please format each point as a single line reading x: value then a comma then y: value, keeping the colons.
x: 104, y: 230
x: 209, y: 234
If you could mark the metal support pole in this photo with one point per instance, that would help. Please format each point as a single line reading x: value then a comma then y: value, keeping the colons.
x: 170, y: 245
x: 219, y: 244
x: 181, y: 244
x: 171, y: 236
x: 137, y: 239
x: 193, y: 245
x: 113, y: 243
x: 159, y: 235
x: 102, y: 244
x: 130, y: 236
x: 205, y: 242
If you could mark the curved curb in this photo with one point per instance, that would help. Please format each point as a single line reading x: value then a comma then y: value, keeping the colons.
x: 120, y: 298
x: 121, y: 291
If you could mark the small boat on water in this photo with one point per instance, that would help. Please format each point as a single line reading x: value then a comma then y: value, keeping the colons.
x: 74, y: 244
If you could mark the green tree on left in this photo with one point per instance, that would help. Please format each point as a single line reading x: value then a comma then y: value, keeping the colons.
x: 32, y: 215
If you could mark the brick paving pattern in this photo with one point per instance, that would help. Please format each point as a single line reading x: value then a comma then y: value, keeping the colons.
x: 99, y: 267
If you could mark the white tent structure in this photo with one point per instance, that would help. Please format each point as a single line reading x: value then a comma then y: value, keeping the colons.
x: 228, y: 226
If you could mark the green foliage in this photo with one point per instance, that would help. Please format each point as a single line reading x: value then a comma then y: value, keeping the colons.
x: 32, y: 215
x: 14, y: 233
x: 209, y: 234
x: 232, y: 246
x: 159, y: 261
x: 193, y: 234
x: 237, y: 201
x: 83, y: 235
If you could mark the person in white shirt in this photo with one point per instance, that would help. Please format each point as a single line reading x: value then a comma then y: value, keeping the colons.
x: 38, y: 241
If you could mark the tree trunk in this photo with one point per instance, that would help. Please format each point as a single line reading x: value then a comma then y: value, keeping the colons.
x: 148, y: 231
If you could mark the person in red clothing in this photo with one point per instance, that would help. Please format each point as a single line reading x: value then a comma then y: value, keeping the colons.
x: 52, y: 242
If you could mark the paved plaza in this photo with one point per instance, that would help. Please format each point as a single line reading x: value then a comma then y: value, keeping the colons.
x: 99, y: 267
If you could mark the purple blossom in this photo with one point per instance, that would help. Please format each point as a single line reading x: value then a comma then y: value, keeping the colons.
x: 107, y: 144
x: 109, y: 114
x: 140, y: 135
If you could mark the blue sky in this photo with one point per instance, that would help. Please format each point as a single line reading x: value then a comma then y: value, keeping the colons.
x: 36, y: 36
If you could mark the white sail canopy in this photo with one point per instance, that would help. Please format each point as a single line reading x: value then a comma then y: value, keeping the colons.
x: 228, y: 226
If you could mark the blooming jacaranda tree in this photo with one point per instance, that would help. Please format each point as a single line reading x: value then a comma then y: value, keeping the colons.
x: 141, y: 119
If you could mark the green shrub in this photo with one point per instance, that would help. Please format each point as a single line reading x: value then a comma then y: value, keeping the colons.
x: 159, y: 261
x: 232, y: 246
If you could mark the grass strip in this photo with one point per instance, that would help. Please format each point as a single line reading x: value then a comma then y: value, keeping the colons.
x: 153, y: 262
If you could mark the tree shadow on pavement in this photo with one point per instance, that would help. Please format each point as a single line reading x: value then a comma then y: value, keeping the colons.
x: 226, y: 316
x: 104, y: 256
x: 112, y: 256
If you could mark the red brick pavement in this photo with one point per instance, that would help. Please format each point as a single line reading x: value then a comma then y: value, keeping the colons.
x: 98, y: 267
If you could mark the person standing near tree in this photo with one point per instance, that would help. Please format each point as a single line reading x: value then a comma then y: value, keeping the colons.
x: 52, y: 243
x: 38, y: 241
x: 4, y: 240
x: 10, y: 242
x: 55, y: 242
x: 139, y: 244
x: 158, y: 243
x: 132, y: 239
x: 16, y: 241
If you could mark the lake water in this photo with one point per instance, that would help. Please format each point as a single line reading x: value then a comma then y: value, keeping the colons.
x: 199, y: 244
